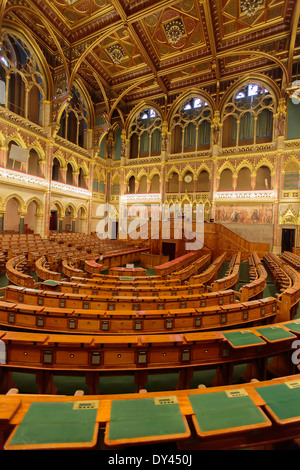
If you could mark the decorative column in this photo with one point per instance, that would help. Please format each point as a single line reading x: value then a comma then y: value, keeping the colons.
x: 73, y: 225
x: 214, y: 186
x: 22, y: 217
x: 75, y: 178
x: 280, y: 123
x: 1, y: 222
x: 180, y: 184
x: 60, y: 222
x: 234, y: 181
x: 148, y: 186
x: 39, y: 223
x: 26, y: 101
x: 7, y: 90
x: 195, y: 184
x: 3, y: 155
x: 276, y: 226
x: 88, y: 227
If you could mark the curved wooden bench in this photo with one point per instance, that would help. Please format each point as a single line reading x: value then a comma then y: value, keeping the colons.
x: 70, y: 270
x: 13, y: 271
x: 193, y: 268
x: 43, y: 272
x: 94, y: 356
x: 231, y: 277
x: 289, y: 279
x: 258, y: 276
x: 79, y: 320
x: 176, y: 264
x: 292, y: 259
x: 211, y: 272
x: 132, y: 289
x: 109, y: 302
x: 92, y: 267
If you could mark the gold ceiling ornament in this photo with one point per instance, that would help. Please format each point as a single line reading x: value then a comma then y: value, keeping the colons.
x: 174, y: 30
x: 116, y: 53
x: 250, y: 7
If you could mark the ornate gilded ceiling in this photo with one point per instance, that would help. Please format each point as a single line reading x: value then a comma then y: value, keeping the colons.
x: 217, y: 43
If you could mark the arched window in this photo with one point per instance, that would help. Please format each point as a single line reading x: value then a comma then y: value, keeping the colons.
x: 131, y: 185
x: 69, y: 176
x: 26, y: 83
x: 74, y: 119
x: 191, y: 126
x: 226, y: 180
x: 174, y: 183
x: 243, y: 180
x: 55, y: 169
x: 145, y: 134
x: 33, y: 163
x: 81, y: 179
x: 248, y: 116
x: 143, y: 185
x: 203, y: 181
x: 155, y: 184
x: 263, y: 178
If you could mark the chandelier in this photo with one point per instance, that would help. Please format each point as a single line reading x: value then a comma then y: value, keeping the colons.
x: 116, y: 53
x: 250, y: 7
x: 174, y: 30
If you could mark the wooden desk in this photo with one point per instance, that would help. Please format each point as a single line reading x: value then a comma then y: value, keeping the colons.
x: 282, y: 401
x: 145, y: 420
x: 243, y: 339
x: 229, y: 411
x: 50, y: 425
x: 275, y: 333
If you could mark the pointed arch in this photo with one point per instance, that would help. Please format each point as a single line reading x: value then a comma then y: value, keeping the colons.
x: 20, y: 202
x: 173, y: 169
x: 38, y: 203
x: 60, y: 209
x: 60, y: 157
x: 203, y: 167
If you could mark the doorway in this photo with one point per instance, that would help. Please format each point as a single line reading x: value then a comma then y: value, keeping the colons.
x: 288, y: 239
x: 169, y: 249
x: 53, y: 220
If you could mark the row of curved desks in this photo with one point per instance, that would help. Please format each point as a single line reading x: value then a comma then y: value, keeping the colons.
x: 231, y: 417
x: 94, y: 321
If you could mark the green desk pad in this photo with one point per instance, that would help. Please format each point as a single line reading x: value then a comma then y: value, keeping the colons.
x: 126, y: 278
x: 274, y: 333
x: 293, y: 325
x: 47, y: 423
x: 149, y: 417
x: 243, y: 338
x: 50, y: 283
x: 219, y: 411
x: 283, y: 399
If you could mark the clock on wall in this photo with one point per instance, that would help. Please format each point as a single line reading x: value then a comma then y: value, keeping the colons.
x: 188, y: 178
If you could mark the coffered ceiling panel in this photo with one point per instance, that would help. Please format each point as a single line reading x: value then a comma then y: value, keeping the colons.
x: 156, y: 49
